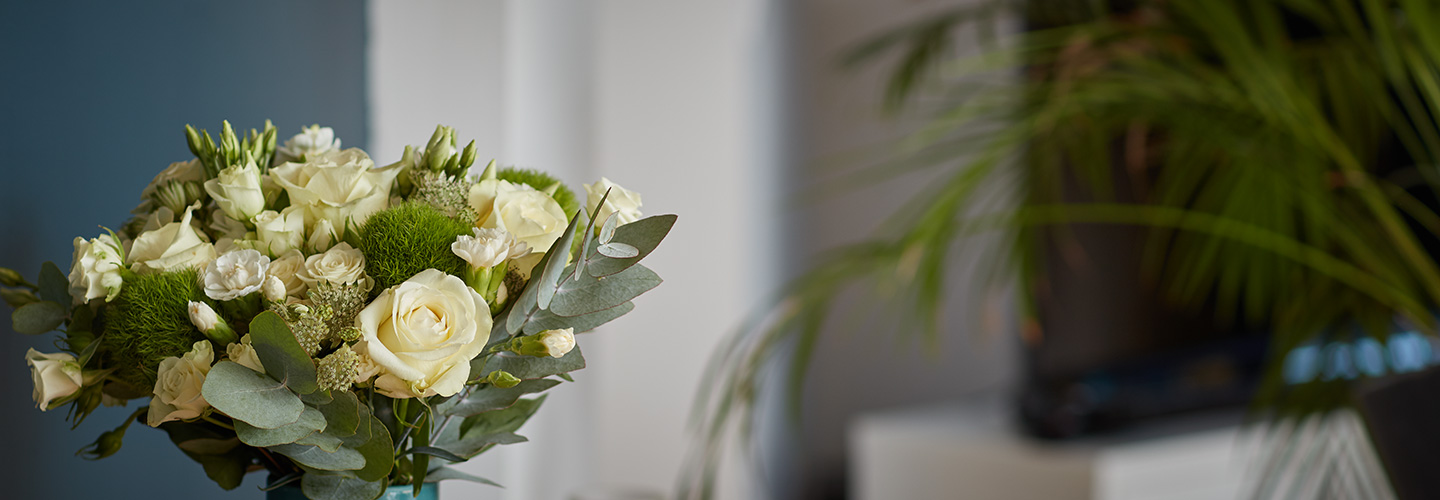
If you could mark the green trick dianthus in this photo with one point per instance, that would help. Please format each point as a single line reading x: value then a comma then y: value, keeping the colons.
x: 404, y: 240
x: 149, y: 322
x: 540, y: 180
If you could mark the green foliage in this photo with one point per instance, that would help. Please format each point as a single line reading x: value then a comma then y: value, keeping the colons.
x: 527, y: 367
x: 281, y: 354
x: 36, y: 318
x: 251, y: 397
x: 491, y: 398
x: 224, y: 459
x: 147, y: 323
x: 404, y: 240
x: 542, y: 181
x: 311, y: 421
x: 54, y: 286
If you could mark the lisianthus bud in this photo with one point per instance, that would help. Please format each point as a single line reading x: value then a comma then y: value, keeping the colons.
x: 553, y: 343
x: 243, y: 352
x: 322, y: 237
x: 17, y: 297
x: 209, y: 323
x: 273, y: 289
x: 9, y: 277
x: 501, y: 379
x: 56, y: 376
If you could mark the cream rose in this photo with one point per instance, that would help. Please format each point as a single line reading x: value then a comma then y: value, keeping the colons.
x: 56, y: 376
x: 175, y: 245
x: 235, y: 274
x: 237, y: 191
x: 340, y: 265
x: 423, y: 333
x: 310, y: 141
x: 177, y: 388
x: 243, y: 352
x: 280, y: 232
x: 532, y: 216
x: 95, y: 269
x: 342, y: 187
x: 622, y: 202
x: 287, y: 269
x: 365, y: 368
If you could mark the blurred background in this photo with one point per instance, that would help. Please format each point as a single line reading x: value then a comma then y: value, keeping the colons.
x: 1076, y: 345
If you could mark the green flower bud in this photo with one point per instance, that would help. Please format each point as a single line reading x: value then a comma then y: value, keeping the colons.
x: 502, y: 379
x: 9, y: 277
x: 552, y: 343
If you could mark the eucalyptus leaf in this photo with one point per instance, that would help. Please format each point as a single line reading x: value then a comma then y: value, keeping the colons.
x: 607, y: 230
x: 281, y: 354
x: 491, y: 398
x: 541, y: 288
x: 546, y: 320
x: 617, y: 250
x: 576, y: 297
x: 474, y: 444
x: 323, y: 440
x: 311, y: 421
x: 434, y: 452
x: 36, y: 318
x: 343, y: 458
x: 644, y: 235
x: 445, y: 473
x: 344, y: 414
x: 317, y: 398
x: 249, y: 396
x: 528, y: 367
x: 332, y: 485
x: 375, y: 444
x: 54, y: 286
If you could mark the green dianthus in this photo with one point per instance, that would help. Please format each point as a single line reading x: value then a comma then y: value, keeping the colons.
x: 148, y: 322
x: 404, y: 240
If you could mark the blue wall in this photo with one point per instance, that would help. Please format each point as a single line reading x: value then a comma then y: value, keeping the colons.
x: 94, y: 96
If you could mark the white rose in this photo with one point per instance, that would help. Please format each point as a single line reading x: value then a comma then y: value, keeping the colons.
x: 365, y: 367
x: 489, y: 247
x: 225, y: 227
x: 235, y: 274
x: 340, y: 265
x: 237, y: 191
x: 282, y: 231
x: 623, y: 202
x: 243, y: 352
x: 532, y: 216
x: 177, y: 386
x: 342, y: 187
x: 423, y: 333
x: 56, y: 376
x: 310, y: 141
x: 175, y: 245
x: 95, y: 269
x: 287, y: 268
x: 322, y: 237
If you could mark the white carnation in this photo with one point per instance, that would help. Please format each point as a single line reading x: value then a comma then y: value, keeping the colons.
x: 236, y: 274
x: 489, y: 247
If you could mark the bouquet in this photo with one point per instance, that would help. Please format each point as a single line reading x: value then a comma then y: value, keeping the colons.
x: 345, y: 327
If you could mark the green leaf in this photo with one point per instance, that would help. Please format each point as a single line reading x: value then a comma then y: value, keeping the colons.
x: 616, y: 250
x: 644, y: 235
x: 501, y: 421
x: 491, y: 398
x: 343, y: 458
x: 344, y: 414
x: 527, y: 367
x: 541, y: 288
x: 311, y: 421
x: 36, y: 318
x: 331, y: 485
x: 247, y: 395
x: 281, y: 354
x: 474, y: 444
x: 217, y: 450
x: 585, y: 295
x: 317, y: 398
x: 546, y: 320
x: 323, y: 440
x: 434, y: 452
x: 54, y: 286
x: 446, y: 473
x: 377, y: 448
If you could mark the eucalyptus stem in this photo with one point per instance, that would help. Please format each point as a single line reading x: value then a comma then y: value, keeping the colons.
x: 212, y: 420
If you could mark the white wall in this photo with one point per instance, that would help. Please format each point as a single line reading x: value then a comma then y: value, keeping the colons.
x: 667, y: 98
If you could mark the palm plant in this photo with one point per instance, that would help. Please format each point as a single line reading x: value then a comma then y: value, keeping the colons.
x: 1280, y: 154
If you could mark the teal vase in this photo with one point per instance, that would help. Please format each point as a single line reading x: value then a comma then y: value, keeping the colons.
x: 292, y: 492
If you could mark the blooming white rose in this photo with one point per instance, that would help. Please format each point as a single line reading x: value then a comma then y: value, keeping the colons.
x: 95, y: 269
x: 237, y: 191
x: 342, y: 187
x: 56, y: 376
x: 282, y: 231
x: 287, y: 268
x: 175, y: 245
x: 340, y: 265
x: 489, y: 247
x: 177, y: 386
x: 423, y: 333
x: 622, y: 202
x: 311, y: 140
x: 236, y: 274
x: 532, y: 216
x: 243, y: 352
x: 322, y: 237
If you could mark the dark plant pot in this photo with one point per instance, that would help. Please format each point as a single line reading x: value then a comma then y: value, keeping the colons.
x: 292, y: 492
x: 1400, y: 414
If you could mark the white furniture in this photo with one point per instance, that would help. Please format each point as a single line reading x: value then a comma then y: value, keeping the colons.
x: 973, y: 451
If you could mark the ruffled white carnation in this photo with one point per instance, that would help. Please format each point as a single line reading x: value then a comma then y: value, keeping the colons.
x: 236, y: 274
x: 489, y: 247
x: 95, y: 269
